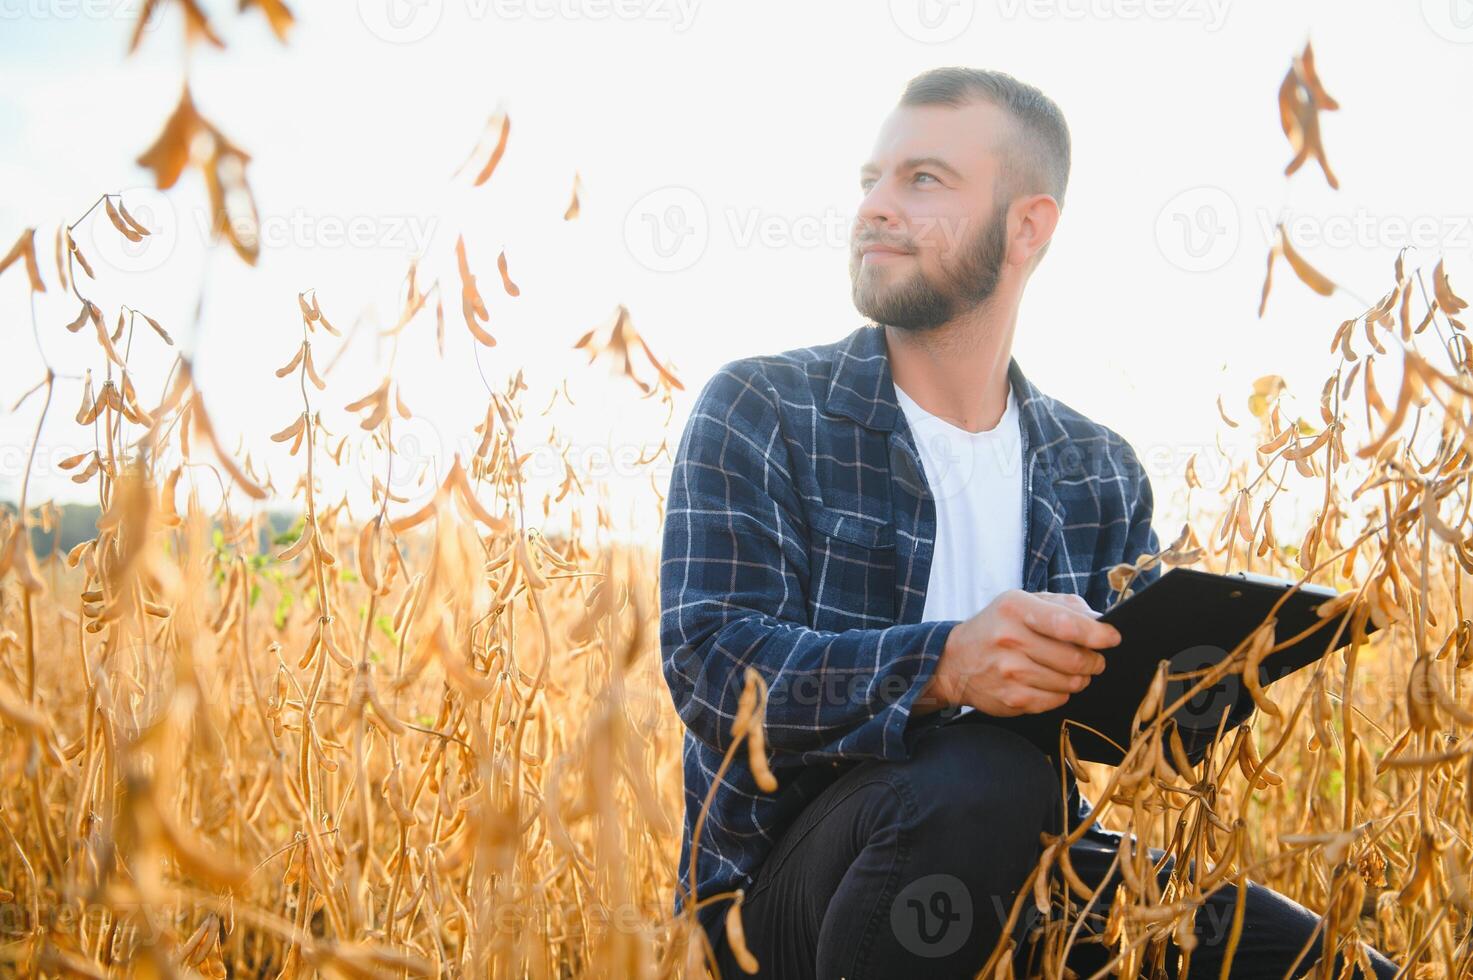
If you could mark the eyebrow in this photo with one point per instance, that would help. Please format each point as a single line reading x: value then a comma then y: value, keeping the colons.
x: 916, y: 162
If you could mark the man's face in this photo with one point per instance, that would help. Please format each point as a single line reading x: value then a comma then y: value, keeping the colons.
x: 929, y: 240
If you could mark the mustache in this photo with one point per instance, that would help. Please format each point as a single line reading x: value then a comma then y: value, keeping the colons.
x: 860, y: 244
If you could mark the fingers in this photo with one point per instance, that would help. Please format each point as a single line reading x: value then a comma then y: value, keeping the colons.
x: 1041, y: 677
x: 1070, y: 600
x: 1064, y: 658
x: 1027, y: 701
x: 1054, y: 619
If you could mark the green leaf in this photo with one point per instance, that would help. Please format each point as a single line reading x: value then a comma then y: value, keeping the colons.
x: 283, y: 609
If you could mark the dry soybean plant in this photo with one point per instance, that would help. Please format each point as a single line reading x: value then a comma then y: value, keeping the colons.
x: 406, y: 741
x: 431, y: 738
x: 402, y: 740
x: 1351, y: 788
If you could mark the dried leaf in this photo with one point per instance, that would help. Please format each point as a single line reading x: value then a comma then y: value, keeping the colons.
x: 131, y: 221
x: 1306, y: 272
x: 77, y: 254
x: 147, y: 11
x: 203, y: 427
x: 470, y: 297
x: 1320, y: 97
x: 164, y: 334
x: 197, y: 25
x: 124, y: 229
x: 231, y: 201
x: 1268, y: 275
x: 1447, y: 300
x: 502, y: 121
x: 169, y: 153
x: 573, y: 205
x: 25, y: 248
x: 507, y: 284
x: 277, y: 15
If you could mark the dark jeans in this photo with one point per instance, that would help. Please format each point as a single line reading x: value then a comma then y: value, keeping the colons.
x: 909, y: 869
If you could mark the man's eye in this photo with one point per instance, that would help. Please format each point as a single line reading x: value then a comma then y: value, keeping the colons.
x: 922, y: 173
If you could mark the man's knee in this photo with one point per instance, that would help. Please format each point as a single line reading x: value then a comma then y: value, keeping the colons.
x: 978, y: 783
x: 979, y: 796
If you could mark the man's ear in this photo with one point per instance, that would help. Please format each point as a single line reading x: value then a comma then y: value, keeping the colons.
x: 1037, y: 215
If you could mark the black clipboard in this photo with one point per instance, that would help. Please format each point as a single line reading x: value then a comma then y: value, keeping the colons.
x: 1194, y: 619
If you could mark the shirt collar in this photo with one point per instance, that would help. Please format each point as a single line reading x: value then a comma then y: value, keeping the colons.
x: 862, y: 389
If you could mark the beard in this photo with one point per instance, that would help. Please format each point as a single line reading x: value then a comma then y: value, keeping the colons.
x: 918, y: 304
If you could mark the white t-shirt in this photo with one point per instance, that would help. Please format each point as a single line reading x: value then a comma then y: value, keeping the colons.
x: 976, y: 479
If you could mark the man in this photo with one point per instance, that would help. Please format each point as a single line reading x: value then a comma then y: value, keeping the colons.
x: 904, y: 537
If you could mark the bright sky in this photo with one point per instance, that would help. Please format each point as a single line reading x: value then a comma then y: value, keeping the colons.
x: 718, y: 145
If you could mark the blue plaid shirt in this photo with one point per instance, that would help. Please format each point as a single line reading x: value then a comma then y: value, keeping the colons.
x: 798, y: 539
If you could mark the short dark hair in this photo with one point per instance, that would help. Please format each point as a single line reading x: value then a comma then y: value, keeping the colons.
x: 1037, y: 162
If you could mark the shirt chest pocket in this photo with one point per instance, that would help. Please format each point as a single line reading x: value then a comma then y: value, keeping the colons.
x: 851, y: 572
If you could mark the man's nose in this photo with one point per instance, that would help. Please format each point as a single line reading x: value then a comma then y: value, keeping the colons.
x: 879, y: 206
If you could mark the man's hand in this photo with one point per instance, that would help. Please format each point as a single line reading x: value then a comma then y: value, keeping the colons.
x: 1023, y: 654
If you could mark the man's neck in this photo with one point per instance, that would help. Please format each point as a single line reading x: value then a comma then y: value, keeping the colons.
x: 959, y: 371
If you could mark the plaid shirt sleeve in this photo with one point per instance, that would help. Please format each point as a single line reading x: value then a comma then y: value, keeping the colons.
x: 735, y: 590
x: 1140, y: 535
